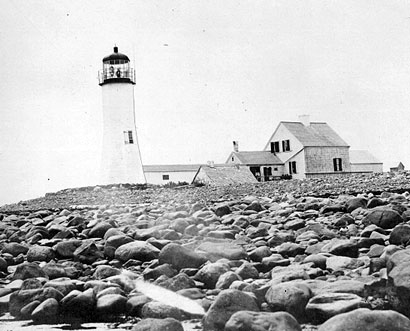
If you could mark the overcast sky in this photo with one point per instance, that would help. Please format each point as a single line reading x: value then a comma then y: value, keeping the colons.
x: 208, y: 72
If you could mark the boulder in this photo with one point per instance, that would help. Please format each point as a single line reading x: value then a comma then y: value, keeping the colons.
x: 28, y: 309
x: 111, y: 290
x: 155, y: 309
x: 3, y: 265
x: 383, y: 217
x: 291, y: 272
x: 192, y: 293
x: 262, y: 321
x: 179, y: 225
x: 255, y: 206
x: 247, y: 270
x: 355, y: 203
x: 400, y: 235
x: 158, y: 324
x: 163, y: 269
x: 324, y: 306
x: 180, y: 257
x: 343, y: 221
x: 14, y: 248
x: 259, y: 253
x: 367, y: 320
x: 343, y: 247
x: 66, y: 248
x: 78, y: 303
x: 105, y: 271
x: 28, y: 270
x: 256, y: 232
x: 40, y: 253
x: 137, y: 250
x: 19, y: 299
x: 335, y: 263
x: 46, y: 311
x: 87, y: 253
x: 135, y: 304
x: 339, y: 286
x: 399, y: 279
x: 395, y: 256
x: 210, y: 273
x: 214, y: 251
x: 270, y: 262
x: 118, y: 240
x: 221, y: 234
x: 225, y: 305
x: 375, y: 202
x: 56, y: 270
x: 111, y: 304
x: 222, y: 210
x: 226, y: 279
x: 176, y: 283
x: 318, y: 260
x: 99, y: 230
x: 113, y: 232
x: 295, y: 224
x: 290, y: 249
x: 289, y: 297
x: 64, y: 285
x: 29, y: 284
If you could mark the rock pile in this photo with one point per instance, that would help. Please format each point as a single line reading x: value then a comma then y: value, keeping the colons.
x: 274, y: 262
x: 137, y: 194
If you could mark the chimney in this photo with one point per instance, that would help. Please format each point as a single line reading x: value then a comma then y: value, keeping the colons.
x: 235, y: 146
x: 305, y: 119
x: 211, y: 164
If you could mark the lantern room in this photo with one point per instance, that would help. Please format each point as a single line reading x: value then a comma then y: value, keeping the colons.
x: 116, y: 69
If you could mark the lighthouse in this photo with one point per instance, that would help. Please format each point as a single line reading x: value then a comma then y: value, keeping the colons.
x: 121, y: 158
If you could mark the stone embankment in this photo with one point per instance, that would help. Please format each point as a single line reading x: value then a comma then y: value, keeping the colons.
x: 322, y: 254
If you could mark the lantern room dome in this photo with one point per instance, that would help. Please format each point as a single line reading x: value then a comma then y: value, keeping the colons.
x: 116, y: 56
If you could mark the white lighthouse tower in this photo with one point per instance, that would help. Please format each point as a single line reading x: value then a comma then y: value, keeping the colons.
x: 121, y: 158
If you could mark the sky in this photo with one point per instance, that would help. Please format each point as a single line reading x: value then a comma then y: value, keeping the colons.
x: 207, y: 72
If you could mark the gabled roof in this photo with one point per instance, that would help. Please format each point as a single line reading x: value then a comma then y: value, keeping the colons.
x: 171, y: 168
x: 362, y: 156
x: 226, y: 175
x: 257, y: 158
x: 317, y: 134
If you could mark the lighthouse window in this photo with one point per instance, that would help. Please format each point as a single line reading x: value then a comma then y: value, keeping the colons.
x: 128, y: 138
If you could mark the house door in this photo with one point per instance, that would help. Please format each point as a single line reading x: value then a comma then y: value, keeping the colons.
x: 267, y: 173
x: 256, y: 172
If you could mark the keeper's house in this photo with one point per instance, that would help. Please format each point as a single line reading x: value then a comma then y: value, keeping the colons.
x: 300, y: 149
x: 305, y: 149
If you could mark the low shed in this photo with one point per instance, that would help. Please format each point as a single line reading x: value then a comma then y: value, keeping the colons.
x: 363, y: 161
x: 224, y: 175
x: 163, y: 174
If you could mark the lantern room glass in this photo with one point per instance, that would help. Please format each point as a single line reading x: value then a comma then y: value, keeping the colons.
x: 116, y: 69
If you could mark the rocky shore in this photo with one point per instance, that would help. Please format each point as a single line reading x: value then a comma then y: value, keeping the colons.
x: 320, y: 254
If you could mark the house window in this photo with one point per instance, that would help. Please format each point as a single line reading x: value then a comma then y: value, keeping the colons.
x: 165, y: 177
x: 274, y: 147
x: 275, y: 169
x: 128, y: 138
x: 337, y: 164
x: 292, y: 167
x: 233, y: 159
x: 286, y: 145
